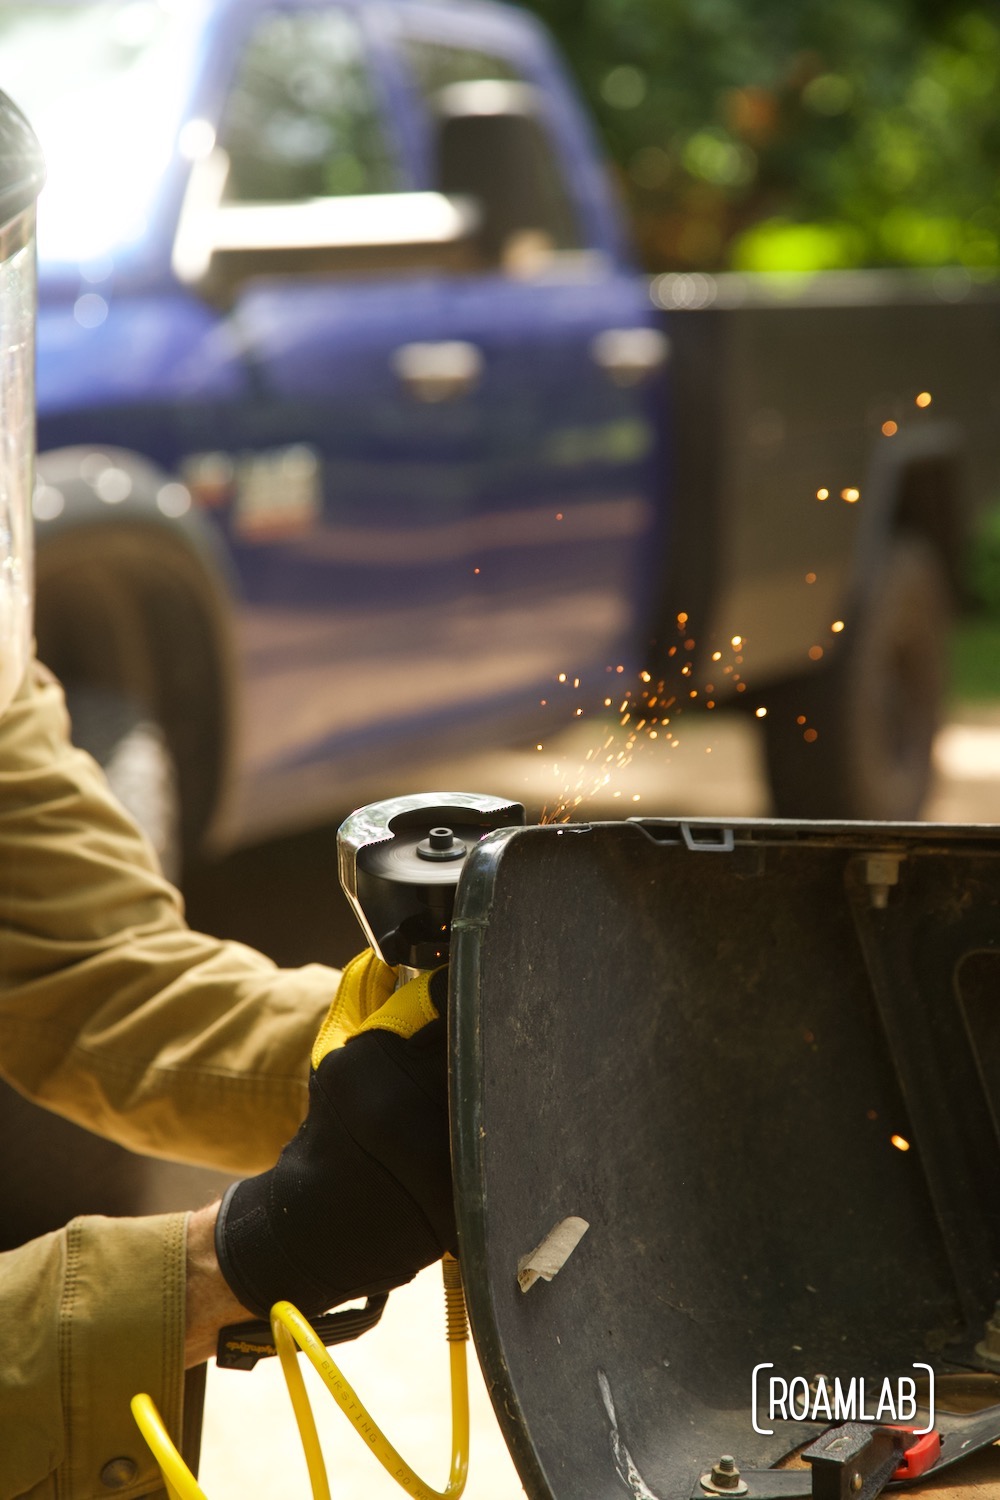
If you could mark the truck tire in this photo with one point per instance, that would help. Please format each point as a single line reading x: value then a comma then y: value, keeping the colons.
x: 135, y: 755
x: 854, y: 740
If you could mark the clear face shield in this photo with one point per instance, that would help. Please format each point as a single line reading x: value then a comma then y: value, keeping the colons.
x: 21, y: 176
x: 17, y: 426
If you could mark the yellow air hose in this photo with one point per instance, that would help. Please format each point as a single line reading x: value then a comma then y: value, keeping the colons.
x: 180, y: 1482
x: 291, y: 1329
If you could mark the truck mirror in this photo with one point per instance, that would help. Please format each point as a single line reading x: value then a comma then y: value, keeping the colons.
x: 219, y: 244
x: 492, y: 147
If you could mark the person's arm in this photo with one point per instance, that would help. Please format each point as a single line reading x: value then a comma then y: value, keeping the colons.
x: 112, y: 1011
x: 118, y: 1016
x: 89, y: 1315
x: 115, y: 1014
x: 210, y: 1305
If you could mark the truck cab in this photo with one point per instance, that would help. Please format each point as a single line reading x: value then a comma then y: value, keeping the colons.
x: 349, y: 391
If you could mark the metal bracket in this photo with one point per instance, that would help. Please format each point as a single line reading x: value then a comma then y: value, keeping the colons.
x: 854, y: 1462
x: 708, y: 838
x: 881, y: 874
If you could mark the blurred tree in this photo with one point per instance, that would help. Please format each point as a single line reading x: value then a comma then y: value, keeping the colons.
x: 774, y: 136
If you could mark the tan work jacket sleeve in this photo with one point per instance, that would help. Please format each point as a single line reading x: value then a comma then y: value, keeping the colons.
x: 112, y: 1011
x: 116, y: 1015
x: 89, y: 1316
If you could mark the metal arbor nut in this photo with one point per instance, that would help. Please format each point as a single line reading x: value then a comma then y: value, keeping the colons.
x: 724, y: 1478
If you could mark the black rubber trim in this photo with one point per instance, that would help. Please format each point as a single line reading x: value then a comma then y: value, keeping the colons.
x: 241, y: 1345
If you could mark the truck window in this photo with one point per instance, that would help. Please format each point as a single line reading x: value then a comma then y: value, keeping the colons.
x: 491, y: 143
x: 435, y: 66
x: 302, y: 120
x: 98, y: 80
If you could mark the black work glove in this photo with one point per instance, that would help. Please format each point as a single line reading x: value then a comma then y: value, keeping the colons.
x: 360, y: 1199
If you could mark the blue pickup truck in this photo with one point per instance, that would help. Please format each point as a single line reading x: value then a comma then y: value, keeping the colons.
x: 358, y: 424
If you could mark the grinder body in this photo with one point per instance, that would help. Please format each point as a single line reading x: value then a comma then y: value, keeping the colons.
x: 400, y: 862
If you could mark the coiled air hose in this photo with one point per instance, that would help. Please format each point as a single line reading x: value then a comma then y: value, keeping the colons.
x: 291, y: 1329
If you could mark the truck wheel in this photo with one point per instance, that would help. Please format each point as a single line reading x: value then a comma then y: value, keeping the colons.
x: 854, y: 740
x: 133, y: 751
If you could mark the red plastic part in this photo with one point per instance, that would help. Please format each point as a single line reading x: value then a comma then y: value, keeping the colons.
x: 918, y: 1458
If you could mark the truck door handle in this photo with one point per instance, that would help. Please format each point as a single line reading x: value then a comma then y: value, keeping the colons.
x: 438, y: 372
x: 629, y: 355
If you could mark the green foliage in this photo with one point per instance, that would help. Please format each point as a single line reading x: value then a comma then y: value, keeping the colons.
x: 983, y: 571
x: 975, y: 661
x: 797, y: 134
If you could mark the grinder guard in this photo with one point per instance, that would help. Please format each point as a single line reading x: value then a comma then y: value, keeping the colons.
x: 703, y: 1042
x: 399, y: 864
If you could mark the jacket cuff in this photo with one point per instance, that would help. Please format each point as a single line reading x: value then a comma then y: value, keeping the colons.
x: 121, y: 1331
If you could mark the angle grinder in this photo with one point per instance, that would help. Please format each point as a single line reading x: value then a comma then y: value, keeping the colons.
x: 400, y: 863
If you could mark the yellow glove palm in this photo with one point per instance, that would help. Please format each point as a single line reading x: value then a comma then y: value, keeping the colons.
x: 366, y: 1000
